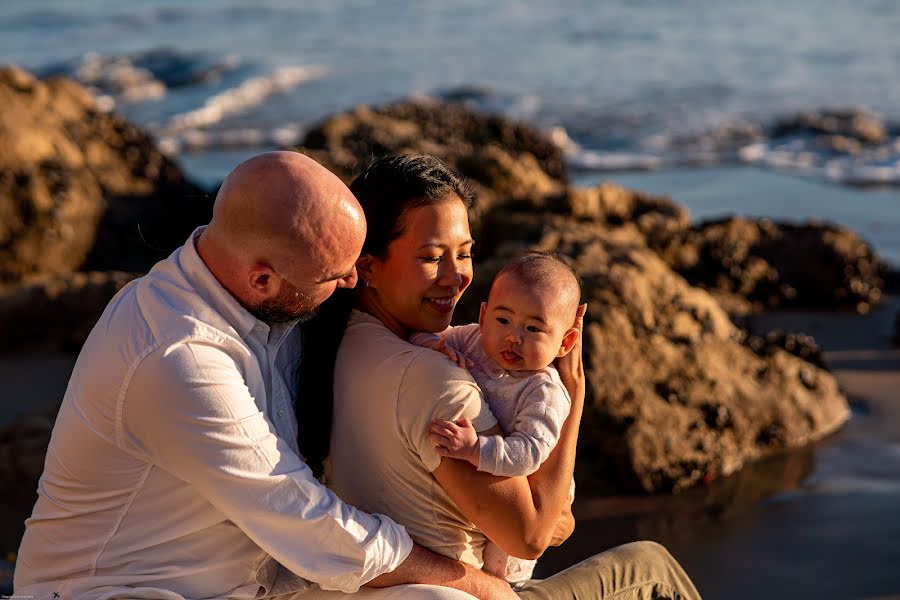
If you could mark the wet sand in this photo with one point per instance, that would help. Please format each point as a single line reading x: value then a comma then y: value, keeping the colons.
x: 821, y: 522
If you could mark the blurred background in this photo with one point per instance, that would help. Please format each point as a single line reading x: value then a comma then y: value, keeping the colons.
x: 785, y: 109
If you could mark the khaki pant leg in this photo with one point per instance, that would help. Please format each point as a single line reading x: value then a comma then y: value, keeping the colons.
x: 637, y: 571
x: 397, y: 592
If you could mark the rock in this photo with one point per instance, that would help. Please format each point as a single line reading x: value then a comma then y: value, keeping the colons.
x: 799, y: 344
x: 80, y: 188
x: 748, y: 264
x: 56, y: 313
x: 676, y: 394
x: 859, y: 125
x: 840, y: 144
x: 771, y: 265
x: 505, y: 160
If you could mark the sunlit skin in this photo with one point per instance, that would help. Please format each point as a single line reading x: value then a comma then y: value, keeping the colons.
x: 285, y: 234
x: 416, y: 286
x: 526, y: 328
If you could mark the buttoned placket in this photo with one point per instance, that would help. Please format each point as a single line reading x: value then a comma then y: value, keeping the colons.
x: 265, y: 341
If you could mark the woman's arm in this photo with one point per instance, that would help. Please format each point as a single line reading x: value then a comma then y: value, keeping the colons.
x: 520, y: 514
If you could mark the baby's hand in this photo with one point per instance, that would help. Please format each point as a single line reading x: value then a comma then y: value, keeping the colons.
x: 455, y: 439
x: 457, y: 357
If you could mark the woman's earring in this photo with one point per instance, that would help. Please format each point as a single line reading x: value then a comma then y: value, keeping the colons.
x: 366, y: 282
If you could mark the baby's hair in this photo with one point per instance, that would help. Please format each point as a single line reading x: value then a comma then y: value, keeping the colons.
x: 543, y: 269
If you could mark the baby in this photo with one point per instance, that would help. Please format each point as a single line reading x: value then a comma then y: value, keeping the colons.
x: 524, y: 326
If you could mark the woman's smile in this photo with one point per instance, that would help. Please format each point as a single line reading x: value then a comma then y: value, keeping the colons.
x: 442, y: 305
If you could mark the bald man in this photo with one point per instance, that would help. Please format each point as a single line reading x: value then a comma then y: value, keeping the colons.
x: 173, y: 471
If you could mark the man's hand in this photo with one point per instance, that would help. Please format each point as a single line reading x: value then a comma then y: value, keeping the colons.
x: 458, y: 357
x: 456, y: 440
x: 424, y: 566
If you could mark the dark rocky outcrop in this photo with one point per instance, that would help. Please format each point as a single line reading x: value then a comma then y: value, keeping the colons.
x: 756, y: 264
x: 677, y: 395
x: 447, y: 130
x: 857, y: 125
x: 80, y: 188
x: 748, y: 264
x: 503, y: 159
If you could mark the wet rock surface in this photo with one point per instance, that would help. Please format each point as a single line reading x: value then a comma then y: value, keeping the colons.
x: 80, y: 188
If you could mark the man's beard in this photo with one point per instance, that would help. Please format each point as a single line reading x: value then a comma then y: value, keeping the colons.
x: 289, y: 305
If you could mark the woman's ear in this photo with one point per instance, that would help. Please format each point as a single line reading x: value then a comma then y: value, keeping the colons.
x: 365, y: 270
x: 568, y: 342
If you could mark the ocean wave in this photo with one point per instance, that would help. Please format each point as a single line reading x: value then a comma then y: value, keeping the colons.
x: 249, y: 94
x: 143, y: 76
x: 201, y: 140
x: 848, y: 147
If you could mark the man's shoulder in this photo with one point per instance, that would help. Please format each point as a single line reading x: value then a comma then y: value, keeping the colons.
x: 158, y: 309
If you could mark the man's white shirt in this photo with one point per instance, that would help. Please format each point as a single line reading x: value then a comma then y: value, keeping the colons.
x: 173, y: 469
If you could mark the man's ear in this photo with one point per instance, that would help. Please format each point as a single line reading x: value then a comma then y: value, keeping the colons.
x: 365, y: 269
x: 263, y: 281
x: 568, y: 342
x: 481, y: 314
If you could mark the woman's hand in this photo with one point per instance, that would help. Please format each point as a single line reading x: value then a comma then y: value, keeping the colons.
x: 571, y: 366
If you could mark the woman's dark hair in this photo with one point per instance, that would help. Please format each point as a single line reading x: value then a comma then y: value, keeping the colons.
x: 386, y: 189
x: 392, y: 185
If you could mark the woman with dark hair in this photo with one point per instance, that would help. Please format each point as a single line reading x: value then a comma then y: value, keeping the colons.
x: 415, y: 265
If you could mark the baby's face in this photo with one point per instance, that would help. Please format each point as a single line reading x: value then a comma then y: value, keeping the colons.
x: 522, y: 328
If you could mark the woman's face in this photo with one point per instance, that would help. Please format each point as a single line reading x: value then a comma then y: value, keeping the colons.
x: 425, y: 270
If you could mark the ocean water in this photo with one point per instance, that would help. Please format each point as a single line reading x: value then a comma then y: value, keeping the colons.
x: 624, y: 85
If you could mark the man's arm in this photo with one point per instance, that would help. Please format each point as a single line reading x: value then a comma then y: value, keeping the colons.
x: 424, y: 566
x: 187, y: 410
